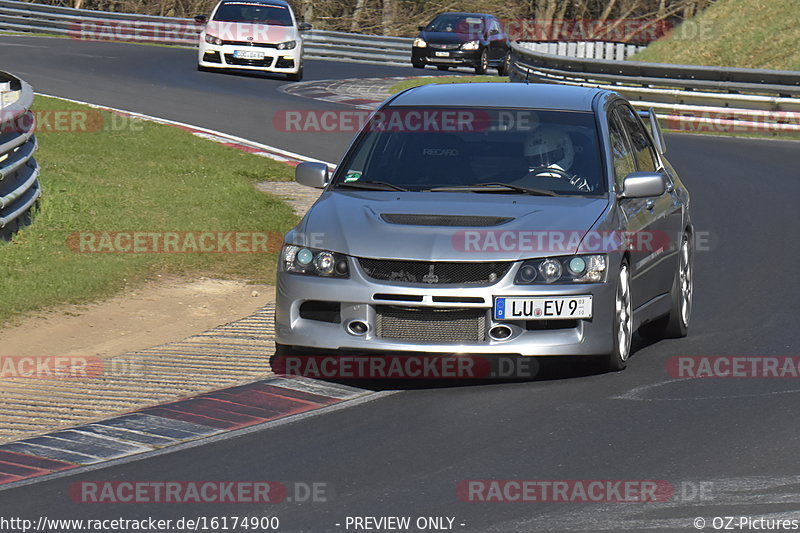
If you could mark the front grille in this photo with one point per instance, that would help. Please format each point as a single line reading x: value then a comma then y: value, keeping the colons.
x: 444, y: 220
x: 229, y: 59
x: 454, y: 46
x: 430, y: 324
x: 250, y: 43
x: 434, y: 273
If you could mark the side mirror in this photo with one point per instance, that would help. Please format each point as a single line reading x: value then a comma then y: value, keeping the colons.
x: 311, y: 174
x: 200, y: 19
x: 494, y: 32
x: 304, y: 26
x: 643, y: 185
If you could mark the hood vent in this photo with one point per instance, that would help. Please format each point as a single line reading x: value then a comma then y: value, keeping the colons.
x: 444, y: 220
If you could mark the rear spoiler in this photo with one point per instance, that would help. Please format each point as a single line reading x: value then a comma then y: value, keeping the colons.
x: 651, y: 119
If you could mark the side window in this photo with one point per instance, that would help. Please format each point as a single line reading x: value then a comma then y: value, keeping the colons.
x: 623, y: 159
x: 642, y: 148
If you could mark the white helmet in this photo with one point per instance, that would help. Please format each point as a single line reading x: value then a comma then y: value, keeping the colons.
x: 549, y: 146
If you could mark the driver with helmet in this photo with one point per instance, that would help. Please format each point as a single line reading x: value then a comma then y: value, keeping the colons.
x: 550, y: 147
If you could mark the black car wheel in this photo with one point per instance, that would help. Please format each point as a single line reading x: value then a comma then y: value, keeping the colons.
x: 483, y: 63
x: 503, y: 68
x: 676, y: 323
x: 297, y: 76
x: 417, y: 64
x: 443, y: 67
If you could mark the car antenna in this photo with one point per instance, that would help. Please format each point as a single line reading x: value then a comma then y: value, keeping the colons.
x: 527, y: 73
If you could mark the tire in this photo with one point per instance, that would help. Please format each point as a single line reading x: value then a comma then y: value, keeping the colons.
x: 502, y: 69
x: 277, y: 361
x: 417, y: 65
x: 676, y: 324
x: 296, y: 76
x: 483, y: 63
x: 201, y: 68
x: 443, y: 67
x: 622, y: 331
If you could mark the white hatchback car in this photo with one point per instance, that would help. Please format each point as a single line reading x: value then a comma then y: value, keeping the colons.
x: 252, y: 35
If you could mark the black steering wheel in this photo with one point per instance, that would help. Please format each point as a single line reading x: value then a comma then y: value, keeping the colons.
x: 567, y: 177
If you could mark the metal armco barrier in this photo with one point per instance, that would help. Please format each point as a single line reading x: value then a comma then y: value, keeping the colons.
x: 109, y: 26
x: 19, y: 172
x: 587, y: 49
x: 656, y: 82
x: 318, y: 44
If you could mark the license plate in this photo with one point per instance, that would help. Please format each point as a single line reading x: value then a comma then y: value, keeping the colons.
x: 248, y: 54
x: 543, y: 308
x: 442, y: 54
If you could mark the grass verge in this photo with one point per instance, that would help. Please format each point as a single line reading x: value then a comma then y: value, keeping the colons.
x: 734, y: 33
x: 416, y: 82
x: 134, y: 176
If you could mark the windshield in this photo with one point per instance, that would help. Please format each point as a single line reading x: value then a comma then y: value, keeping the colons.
x: 253, y: 12
x: 420, y: 149
x: 453, y: 23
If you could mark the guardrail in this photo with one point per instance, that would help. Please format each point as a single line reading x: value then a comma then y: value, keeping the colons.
x: 720, y: 86
x: 318, y: 44
x: 19, y: 172
x: 699, y: 95
x: 588, y: 49
x: 101, y: 25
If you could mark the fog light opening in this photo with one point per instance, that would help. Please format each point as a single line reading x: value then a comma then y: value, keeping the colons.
x: 500, y: 333
x: 357, y: 327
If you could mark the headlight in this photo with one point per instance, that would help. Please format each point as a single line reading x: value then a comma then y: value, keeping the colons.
x: 313, y: 262
x: 210, y: 39
x: 419, y: 43
x: 567, y: 269
x: 288, y: 45
x: 472, y: 45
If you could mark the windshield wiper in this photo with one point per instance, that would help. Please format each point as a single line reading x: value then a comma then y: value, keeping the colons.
x: 494, y: 187
x: 371, y: 186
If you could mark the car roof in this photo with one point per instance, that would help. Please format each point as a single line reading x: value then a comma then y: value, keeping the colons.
x: 265, y: 2
x: 505, y: 95
x: 464, y: 14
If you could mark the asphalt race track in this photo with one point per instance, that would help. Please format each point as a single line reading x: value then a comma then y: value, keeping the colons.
x: 404, y: 454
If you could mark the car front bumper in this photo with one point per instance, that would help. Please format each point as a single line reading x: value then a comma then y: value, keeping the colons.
x: 214, y: 56
x: 428, y: 56
x: 364, y: 299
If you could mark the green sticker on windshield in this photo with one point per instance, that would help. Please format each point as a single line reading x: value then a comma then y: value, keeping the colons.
x: 353, y: 175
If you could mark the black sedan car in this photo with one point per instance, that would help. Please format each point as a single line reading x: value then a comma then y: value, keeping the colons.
x: 462, y: 39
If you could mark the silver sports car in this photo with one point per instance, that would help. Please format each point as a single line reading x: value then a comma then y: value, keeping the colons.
x: 490, y: 218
